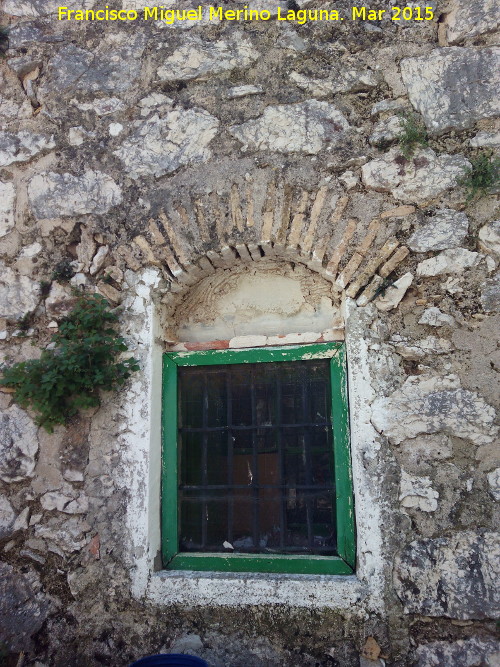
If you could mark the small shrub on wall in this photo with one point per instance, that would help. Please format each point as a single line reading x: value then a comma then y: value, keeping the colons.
x: 84, y: 360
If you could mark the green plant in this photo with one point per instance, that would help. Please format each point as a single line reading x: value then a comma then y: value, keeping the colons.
x: 45, y: 286
x: 413, y: 134
x: 63, y: 271
x: 482, y: 176
x: 83, y: 361
x: 4, y: 40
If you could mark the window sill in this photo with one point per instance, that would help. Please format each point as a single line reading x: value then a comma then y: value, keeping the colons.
x: 237, y: 589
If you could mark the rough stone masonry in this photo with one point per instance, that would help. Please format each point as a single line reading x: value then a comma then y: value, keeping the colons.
x: 158, y: 161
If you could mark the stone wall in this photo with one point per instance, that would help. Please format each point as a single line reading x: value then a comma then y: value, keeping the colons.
x: 159, y: 163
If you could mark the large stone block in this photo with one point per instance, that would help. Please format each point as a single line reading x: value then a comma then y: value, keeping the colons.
x: 454, y: 87
x: 22, y: 146
x: 470, y: 19
x: 419, y: 180
x: 23, y: 607
x: 200, y: 59
x: 293, y: 128
x: 445, y: 229
x: 427, y: 404
x: 18, y: 445
x: 7, y: 202
x: 453, y: 576
x: 160, y: 146
x: 18, y: 294
x: 53, y: 195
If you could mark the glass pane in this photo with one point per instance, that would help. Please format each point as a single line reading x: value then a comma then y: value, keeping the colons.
x: 256, y: 467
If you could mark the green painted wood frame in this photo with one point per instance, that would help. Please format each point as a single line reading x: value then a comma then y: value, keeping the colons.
x: 344, y: 563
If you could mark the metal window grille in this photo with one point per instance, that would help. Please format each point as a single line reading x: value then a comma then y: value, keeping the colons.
x: 256, y: 468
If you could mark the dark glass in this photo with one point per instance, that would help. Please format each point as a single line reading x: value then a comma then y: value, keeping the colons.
x: 256, y: 467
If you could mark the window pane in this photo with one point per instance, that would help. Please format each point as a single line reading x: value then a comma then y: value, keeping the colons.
x: 256, y: 458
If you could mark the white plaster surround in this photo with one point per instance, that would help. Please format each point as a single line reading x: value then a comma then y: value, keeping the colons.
x: 140, y: 474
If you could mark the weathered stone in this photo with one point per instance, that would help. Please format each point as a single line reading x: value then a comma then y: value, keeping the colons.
x: 466, y: 20
x: 18, y: 445
x: 200, y: 59
x: 394, y: 293
x: 7, y: 203
x: 55, y: 195
x: 425, y: 448
x: 418, y: 349
x: 489, y: 237
x: 157, y: 147
x: 387, y: 105
x: 99, y: 259
x: 68, y: 536
x: 293, y: 128
x: 453, y: 87
x: 113, y: 67
x: 445, y: 229
x: 471, y: 652
x: 22, y: 146
x: 450, y: 576
x: 69, y: 504
x: 23, y: 607
x: 22, y: 521
x: 7, y: 517
x: 494, y: 483
x: 417, y: 493
x: 59, y: 301
x: 386, y: 131
x: 486, y: 140
x: 242, y: 91
x: 349, y: 179
x: 18, y: 294
x: 455, y: 260
x: 427, y: 404
x: 490, y: 294
x: 434, y: 317
x: 104, y: 106
x: 419, y: 180
x: 109, y: 292
x: 39, y: 8
x: 341, y: 81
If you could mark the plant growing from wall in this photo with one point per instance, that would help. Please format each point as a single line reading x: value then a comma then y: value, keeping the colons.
x: 413, y: 135
x: 84, y: 360
x: 482, y: 176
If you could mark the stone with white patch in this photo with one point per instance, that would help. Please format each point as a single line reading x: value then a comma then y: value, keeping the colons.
x: 494, y: 483
x: 7, y: 517
x: 445, y: 229
x: 394, y: 294
x: 453, y: 87
x: 18, y: 294
x: 417, y: 493
x: 418, y: 349
x: 160, y: 146
x: 305, y: 127
x: 452, y: 576
x: 54, y: 195
x: 490, y: 294
x: 433, y: 404
x: 23, y: 146
x: 386, y: 131
x: 455, y: 260
x: 342, y: 80
x: 486, y: 140
x: 433, y: 317
x: 419, y: 180
x: 461, y: 653
x: 7, y: 204
x: 470, y: 19
x: 489, y: 237
x: 200, y: 59
x: 18, y: 445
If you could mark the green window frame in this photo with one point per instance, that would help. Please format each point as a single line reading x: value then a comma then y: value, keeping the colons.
x: 344, y: 562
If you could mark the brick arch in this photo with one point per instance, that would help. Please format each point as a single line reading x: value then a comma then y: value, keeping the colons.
x: 190, y: 239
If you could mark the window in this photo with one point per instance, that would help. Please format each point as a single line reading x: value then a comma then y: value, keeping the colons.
x: 256, y: 467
